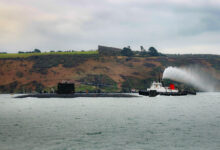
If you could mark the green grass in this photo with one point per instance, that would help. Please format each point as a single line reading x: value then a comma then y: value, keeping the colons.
x: 84, y: 88
x: 25, y: 55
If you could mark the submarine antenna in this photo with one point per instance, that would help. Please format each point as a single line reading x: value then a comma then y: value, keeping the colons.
x: 159, y: 77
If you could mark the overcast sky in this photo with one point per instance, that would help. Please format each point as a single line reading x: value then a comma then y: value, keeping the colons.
x: 172, y: 26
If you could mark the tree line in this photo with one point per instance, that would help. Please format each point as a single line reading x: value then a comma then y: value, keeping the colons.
x: 127, y: 51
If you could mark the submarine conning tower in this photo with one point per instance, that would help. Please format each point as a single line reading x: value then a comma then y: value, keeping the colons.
x: 65, y: 87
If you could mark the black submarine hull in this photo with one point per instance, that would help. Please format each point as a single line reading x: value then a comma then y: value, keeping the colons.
x: 75, y: 95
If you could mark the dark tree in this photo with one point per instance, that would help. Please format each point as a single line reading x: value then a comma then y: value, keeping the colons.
x: 143, y: 51
x: 37, y: 51
x: 153, y: 51
x: 127, y: 52
x: 142, y: 48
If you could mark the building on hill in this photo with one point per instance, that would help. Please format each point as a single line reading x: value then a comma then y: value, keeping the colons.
x: 109, y: 51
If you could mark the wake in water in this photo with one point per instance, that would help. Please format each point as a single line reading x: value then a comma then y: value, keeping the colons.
x: 192, y: 75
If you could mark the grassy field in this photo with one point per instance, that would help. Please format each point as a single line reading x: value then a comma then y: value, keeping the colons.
x: 25, y: 55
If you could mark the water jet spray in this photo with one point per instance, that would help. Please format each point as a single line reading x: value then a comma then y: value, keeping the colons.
x: 193, y: 76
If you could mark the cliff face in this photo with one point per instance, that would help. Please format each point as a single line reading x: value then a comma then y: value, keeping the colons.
x: 109, y: 73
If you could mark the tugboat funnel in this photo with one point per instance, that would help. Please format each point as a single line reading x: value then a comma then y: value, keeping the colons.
x: 172, y: 87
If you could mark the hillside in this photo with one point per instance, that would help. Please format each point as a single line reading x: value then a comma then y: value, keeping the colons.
x: 109, y: 73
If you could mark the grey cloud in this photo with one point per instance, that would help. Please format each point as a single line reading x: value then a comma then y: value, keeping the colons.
x: 84, y: 24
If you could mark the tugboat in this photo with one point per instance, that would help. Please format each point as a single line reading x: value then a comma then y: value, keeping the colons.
x: 157, y: 88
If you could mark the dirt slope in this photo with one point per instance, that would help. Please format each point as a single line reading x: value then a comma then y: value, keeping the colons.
x: 36, y: 74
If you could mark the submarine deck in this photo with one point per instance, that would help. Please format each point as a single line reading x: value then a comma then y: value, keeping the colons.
x: 54, y: 95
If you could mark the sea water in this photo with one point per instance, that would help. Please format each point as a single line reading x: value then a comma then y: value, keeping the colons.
x: 143, y: 123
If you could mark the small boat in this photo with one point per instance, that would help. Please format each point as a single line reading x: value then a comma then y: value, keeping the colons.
x: 157, y: 88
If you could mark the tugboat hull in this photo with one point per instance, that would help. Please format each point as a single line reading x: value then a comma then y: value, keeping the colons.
x: 145, y: 93
x: 153, y: 93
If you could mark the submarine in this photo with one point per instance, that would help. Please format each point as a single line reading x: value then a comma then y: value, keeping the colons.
x: 66, y: 89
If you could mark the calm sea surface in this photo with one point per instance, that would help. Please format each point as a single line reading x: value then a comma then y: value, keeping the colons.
x: 160, y: 123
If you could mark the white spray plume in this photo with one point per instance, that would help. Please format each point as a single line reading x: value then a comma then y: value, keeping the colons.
x: 191, y: 75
